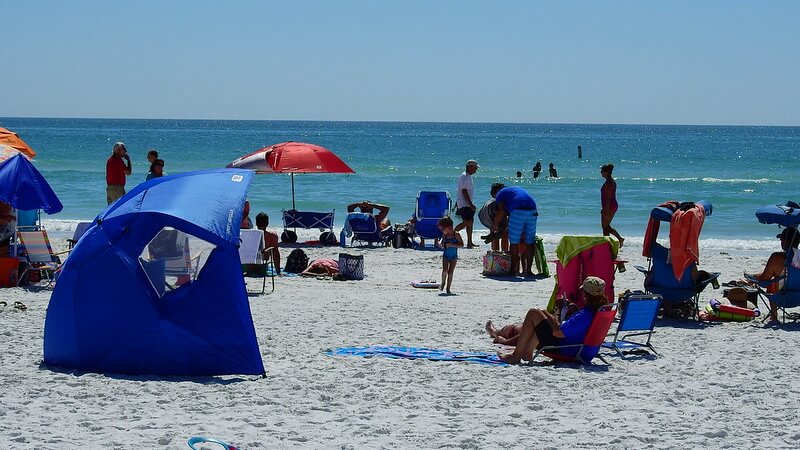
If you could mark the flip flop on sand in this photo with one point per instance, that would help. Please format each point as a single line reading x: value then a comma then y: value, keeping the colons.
x: 3, y: 303
x: 20, y: 306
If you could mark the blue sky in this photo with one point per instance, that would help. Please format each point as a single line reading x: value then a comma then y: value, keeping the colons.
x: 676, y: 62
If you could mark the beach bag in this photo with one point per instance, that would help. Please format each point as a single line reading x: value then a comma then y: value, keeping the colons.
x: 402, y: 237
x: 328, y: 238
x: 289, y: 236
x: 496, y: 263
x: 351, y: 267
x: 297, y: 261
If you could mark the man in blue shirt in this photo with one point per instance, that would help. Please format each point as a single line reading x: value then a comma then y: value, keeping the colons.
x: 520, y: 207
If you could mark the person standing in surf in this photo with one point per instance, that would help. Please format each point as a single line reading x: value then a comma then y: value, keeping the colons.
x: 608, y: 202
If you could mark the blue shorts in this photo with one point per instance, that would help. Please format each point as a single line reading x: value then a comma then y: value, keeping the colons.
x: 522, y: 221
x: 450, y: 253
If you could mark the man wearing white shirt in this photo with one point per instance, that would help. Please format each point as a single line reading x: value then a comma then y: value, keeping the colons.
x: 465, y: 207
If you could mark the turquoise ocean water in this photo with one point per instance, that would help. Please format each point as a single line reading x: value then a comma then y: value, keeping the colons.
x: 738, y: 169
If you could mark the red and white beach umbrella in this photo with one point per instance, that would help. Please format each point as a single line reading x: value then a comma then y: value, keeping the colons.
x: 292, y: 157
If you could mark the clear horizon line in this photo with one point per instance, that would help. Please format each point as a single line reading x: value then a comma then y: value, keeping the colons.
x: 406, y: 121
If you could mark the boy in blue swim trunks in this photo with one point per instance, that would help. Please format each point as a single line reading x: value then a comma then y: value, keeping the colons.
x: 450, y: 242
x: 520, y: 207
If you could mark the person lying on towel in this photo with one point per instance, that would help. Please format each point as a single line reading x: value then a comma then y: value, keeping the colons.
x: 322, y: 267
x: 541, y: 329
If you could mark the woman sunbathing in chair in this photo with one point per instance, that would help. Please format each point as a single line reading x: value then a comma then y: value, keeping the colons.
x: 541, y: 329
x: 776, y: 265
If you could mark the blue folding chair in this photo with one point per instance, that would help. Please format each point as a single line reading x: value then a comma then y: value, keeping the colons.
x: 638, y: 319
x: 431, y: 207
x: 364, y: 228
x: 787, y: 296
x: 660, y: 279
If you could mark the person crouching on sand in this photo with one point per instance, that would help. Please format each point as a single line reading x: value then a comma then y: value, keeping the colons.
x: 541, y: 329
x: 449, y: 243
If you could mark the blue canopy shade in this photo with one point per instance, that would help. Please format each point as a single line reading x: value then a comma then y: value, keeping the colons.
x: 665, y: 214
x: 23, y: 187
x: 785, y: 215
x: 106, y: 316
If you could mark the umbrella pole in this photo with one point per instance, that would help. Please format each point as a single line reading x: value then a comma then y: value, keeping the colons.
x: 293, y: 207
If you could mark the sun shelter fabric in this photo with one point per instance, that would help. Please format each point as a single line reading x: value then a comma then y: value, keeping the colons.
x: 23, y: 187
x: 106, y: 316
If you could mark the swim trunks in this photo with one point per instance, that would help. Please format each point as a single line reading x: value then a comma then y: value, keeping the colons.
x: 522, y: 221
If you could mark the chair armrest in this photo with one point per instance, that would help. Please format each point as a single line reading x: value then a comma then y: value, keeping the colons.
x: 712, y: 277
x: 763, y: 283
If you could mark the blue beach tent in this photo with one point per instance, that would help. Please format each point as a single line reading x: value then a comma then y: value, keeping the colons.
x: 24, y: 188
x: 105, y: 315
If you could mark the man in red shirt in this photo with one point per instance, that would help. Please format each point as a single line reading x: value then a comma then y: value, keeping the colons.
x: 116, y: 171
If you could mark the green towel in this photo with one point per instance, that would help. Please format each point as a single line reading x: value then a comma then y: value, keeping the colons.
x: 571, y: 246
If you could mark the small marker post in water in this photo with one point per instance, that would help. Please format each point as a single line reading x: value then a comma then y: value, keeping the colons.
x: 580, y: 152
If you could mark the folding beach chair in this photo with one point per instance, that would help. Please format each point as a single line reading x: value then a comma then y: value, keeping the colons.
x: 580, y: 257
x: 681, y: 295
x: 431, y: 206
x: 251, y: 256
x: 364, y: 229
x: 295, y: 219
x: 39, y: 256
x: 638, y: 319
x: 80, y: 229
x: 588, y: 349
x: 29, y: 220
x: 783, y: 292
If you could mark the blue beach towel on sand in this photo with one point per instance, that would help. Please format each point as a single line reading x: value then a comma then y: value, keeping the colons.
x: 431, y: 354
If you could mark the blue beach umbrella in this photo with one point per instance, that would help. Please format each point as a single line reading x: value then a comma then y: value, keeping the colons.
x: 24, y: 188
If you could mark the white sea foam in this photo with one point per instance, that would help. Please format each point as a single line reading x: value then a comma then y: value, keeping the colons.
x: 705, y: 180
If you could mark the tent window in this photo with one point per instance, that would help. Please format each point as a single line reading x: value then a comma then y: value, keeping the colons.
x: 174, y: 259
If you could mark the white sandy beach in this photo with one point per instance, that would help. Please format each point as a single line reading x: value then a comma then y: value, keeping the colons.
x: 714, y: 385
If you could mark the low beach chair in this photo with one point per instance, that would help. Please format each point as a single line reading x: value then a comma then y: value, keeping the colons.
x: 29, y: 220
x: 364, y: 229
x: 682, y: 296
x: 589, y: 348
x: 680, y: 291
x: 431, y: 207
x: 783, y: 292
x: 251, y: 256
x: 39, y: 256
x: 638, y: 319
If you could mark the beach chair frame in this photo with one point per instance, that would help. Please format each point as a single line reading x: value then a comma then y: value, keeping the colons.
x: 426, y: 226
x: 786, y: 297
x: 595, y: 336
x: 365, y: 230
x: 39, y: 256
x: 638, y: 318
x: 682, y: 291
x: 260, y: 261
